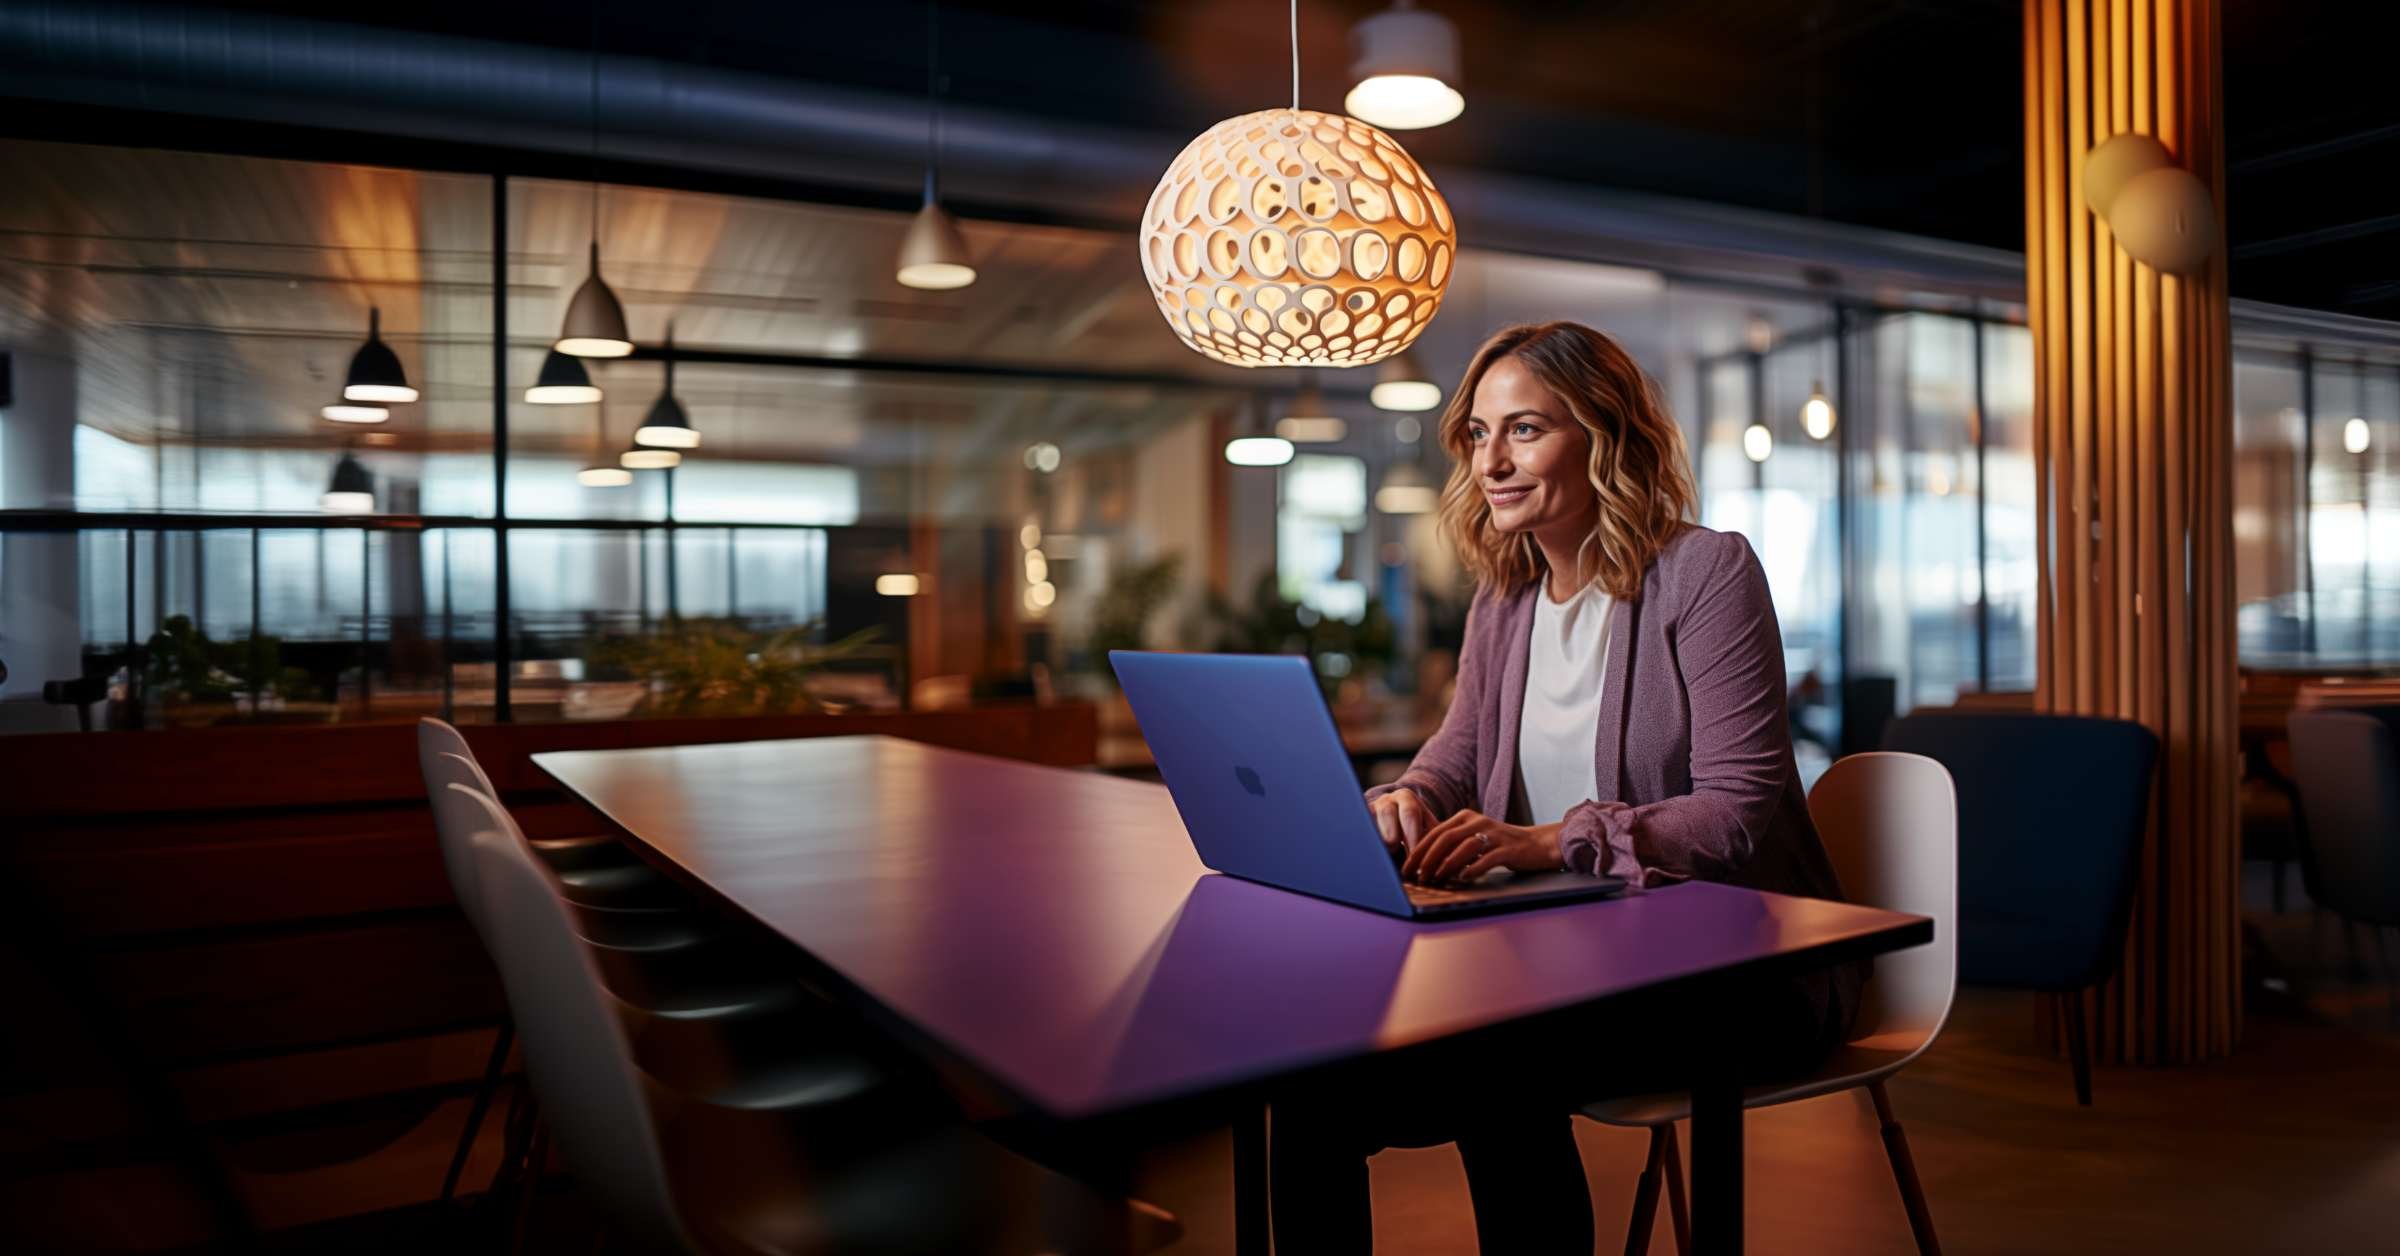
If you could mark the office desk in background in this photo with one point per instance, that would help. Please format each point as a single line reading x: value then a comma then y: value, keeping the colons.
x: 1048, y: 939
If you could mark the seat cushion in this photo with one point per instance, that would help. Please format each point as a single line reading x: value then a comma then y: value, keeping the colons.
x: 572, y: 854
x: 623, y: 885
x: 1850, y: 1066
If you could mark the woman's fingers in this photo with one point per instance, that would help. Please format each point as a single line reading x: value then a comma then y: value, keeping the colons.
x: 1466, y: 850
x: 1484, y: 863
x: 1387, y: 822
x: 1424, y: 849
x: 1426, y: 855
x: 1415, y: 820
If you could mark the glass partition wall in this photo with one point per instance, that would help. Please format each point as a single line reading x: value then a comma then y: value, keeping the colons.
x: 905, y: 498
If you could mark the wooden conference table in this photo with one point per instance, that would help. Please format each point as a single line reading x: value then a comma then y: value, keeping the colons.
x: 1049, y: 936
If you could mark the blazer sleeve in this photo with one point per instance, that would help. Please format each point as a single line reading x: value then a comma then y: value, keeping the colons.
x: 1730, y: 652
x: 1443, y: 773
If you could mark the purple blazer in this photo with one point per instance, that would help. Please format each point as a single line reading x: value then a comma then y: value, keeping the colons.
x: 1694, y: 760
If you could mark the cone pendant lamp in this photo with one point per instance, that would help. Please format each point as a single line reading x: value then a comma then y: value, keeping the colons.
x: 595, y: 326
x: 934, y: 254
x: 375, y: 371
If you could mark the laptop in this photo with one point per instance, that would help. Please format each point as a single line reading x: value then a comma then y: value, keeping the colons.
x: 1266, y: 790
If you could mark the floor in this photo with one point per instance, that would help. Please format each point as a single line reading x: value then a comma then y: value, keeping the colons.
x: 2291, y: 1144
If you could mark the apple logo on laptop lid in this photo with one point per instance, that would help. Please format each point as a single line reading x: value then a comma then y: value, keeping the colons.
x: 1249, y: 780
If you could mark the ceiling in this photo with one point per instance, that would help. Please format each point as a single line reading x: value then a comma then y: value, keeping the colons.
x: 219, y: 299
x: 1915, y: 102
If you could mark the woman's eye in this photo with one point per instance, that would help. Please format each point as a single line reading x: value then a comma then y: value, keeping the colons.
x: 1474, y: 433
x: 1526, y: 430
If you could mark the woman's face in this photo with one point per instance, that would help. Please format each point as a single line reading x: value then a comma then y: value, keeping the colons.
x: 1530, y: 457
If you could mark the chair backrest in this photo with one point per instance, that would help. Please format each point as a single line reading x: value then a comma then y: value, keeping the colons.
x: 2051, y: 811
x: 1890, y: 824
x: 461, y: 809
x: 576, y: 1053
x: 2349, y: 778
x: 436, y: 738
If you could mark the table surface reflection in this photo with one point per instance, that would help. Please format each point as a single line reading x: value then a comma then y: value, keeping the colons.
x: 1053, y: 931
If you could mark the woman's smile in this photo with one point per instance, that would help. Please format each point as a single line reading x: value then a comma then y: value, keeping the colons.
x: 1508, y: 496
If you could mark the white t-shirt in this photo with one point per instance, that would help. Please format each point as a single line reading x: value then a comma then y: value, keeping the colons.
x: 1558, y: 735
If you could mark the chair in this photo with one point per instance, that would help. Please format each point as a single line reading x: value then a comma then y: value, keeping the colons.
x: 1890, y: 823
x: 684, y: 1175
x: 2051, y: 811
x: 648, y: 946
x: 2349, y: 778
x: 594, y: 853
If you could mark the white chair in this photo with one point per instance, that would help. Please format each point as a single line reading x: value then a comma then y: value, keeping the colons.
x: 660, y: 956
x: 592, y: 852
x: 1890, y: 824
x: 682, y: 1175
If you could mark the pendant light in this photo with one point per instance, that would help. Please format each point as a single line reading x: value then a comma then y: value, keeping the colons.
x: 375, y: 372
x: 352, y: 491
x: 600, y: 474
x: 563, y: 382
x: 1258, y: 450
x: 1406, y: 490
x: 1405, y: 64
x: 1816, y: 413
x: 1400, y: 385
x: 668, y: 427
x: 355, y: 412
x: 1289, y: 237
x: 2355, y: 437
x: 1309, y: 422
x: 595, y: 324
x: 934, y: 255
x: 1758, y: 444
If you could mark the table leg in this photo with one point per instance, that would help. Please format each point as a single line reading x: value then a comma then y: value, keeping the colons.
x: 1250, y: 1181
x: 1717, y: 1164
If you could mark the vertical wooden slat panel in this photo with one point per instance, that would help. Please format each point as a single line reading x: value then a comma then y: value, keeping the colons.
x: 2041, y: 196
x: 2053, y: 687
x: 2077, y: 587
x: 2133, y: 445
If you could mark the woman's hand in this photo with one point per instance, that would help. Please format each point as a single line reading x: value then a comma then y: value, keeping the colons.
x: 1470, y: 844
x: 1403, y: 820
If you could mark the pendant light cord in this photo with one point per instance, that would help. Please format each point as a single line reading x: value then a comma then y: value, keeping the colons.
x: 933, y: 99
x: 595, y: 118
x: 1295, y: 54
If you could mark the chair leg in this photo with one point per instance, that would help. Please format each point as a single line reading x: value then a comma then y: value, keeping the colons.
x: 2079, y: 1046
x: 1678, y: 1211
x: 531, y: 1187
x: 517, y: 1134
x: 1645, y: 1196
x: 1904, y: 1173
x: 492, y: 1070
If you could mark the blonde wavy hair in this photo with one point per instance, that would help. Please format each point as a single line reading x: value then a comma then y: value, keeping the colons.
x: 1638, y: 465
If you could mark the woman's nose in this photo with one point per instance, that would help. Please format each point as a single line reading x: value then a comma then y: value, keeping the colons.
x: 1491, y: 460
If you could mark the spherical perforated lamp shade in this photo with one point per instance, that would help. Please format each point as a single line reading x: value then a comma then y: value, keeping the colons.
x: 1295, y: 238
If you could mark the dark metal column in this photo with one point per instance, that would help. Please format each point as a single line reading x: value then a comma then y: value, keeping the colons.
x: 500, y: 592
x: 1981, y: 435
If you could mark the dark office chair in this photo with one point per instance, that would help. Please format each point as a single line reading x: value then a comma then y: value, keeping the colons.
x: 2050, y: 815
x: 2348, y: 772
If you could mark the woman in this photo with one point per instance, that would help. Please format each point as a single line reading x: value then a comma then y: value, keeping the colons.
x: 1620, y: 711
